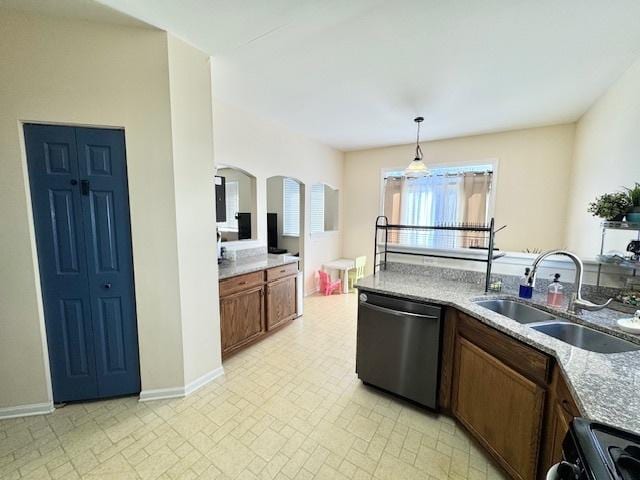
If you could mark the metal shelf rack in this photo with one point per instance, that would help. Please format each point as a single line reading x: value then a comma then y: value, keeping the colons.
x: 480, y: 237
x: 627, y: 226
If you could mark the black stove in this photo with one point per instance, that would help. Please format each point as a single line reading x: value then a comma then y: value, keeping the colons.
x: 595, y: 451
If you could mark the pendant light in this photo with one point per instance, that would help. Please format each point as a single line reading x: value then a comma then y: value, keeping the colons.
x: 417, y: 167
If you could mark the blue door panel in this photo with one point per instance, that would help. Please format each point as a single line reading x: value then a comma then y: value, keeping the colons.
x: 63, y: 229
x: 101, y: 160
x: 57, y: 211
x: 85, y: 259
x: 105, y: 248
x: 74, y: 338
x: 112, y: 332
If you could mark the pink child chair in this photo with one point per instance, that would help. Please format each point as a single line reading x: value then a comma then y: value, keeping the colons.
x: 327, y: 286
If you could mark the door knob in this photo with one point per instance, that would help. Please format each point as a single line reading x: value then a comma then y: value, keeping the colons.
x: 107, y: 285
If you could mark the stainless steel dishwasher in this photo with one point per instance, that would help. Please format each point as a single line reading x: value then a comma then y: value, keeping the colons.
x: 398, y: 346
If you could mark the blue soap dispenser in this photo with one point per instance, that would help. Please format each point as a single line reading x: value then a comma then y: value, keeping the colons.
x: 526, y: 290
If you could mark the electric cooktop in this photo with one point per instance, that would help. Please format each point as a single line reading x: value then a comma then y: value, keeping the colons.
x: 595, y: 451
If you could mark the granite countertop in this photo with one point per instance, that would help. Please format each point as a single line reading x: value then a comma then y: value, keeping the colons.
x: 254, y: 263
x: 606, y: 386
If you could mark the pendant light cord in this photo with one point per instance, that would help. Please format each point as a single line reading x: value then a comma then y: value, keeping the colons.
x: 418, y: 149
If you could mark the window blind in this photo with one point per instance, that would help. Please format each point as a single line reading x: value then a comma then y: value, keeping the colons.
x: 290, y: 207
x: 232, y: 198
x: 317, y: 208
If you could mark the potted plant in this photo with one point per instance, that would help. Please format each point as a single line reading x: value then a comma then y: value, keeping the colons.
x: 611, y: 206
x: 633, y: 214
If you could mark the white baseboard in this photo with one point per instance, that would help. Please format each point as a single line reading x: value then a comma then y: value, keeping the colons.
x: 26, y: 410
x: 200, y: 382
x: 180, y: 392
x: 161, y: 394
x: 311, y: 292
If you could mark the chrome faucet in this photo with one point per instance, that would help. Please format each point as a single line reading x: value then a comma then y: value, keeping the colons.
x: 576, y: 302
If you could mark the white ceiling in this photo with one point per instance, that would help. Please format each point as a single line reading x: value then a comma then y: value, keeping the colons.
x: 354, y: 73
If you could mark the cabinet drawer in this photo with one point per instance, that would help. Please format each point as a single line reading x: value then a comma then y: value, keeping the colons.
x: 241, y: 282
x: 283, y: 271
x: 522, y: 358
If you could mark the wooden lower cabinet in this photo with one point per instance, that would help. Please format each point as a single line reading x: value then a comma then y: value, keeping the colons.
x: 281, y: 301
x: 501, y: 407
x: 561, y: 409
x: 241, y: 318
x: 255, y: 304
x: 510, y: 396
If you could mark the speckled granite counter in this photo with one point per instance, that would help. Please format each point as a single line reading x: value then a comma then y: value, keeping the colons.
x: 228, y: 269
x: 606, y: 386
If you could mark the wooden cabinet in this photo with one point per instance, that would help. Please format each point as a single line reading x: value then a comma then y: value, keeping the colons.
x: 561, y: 410
x: 241, y: 318
x: 256, y: 304
x: 281, y: 301
x: 502, y: 391
x: 502, y: 408
x: 511, y: 397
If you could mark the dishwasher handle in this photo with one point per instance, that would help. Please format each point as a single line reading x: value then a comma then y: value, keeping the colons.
x: 397, y: 313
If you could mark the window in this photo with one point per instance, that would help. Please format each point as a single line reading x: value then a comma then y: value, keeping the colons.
x: 290, y: 207
x: 232, y: 198
x: 317, y: 208
x: 449, y: 196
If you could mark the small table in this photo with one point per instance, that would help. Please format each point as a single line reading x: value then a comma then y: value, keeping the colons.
x: 342, y: 265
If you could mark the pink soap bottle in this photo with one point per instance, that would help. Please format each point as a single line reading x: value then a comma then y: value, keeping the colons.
x: 555, y: 292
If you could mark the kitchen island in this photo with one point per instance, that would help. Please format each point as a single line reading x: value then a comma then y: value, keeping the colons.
x: 487, y: 358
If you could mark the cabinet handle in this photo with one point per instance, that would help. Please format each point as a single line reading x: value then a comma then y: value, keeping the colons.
x: 282, y: 271
x: 85, y: 187
x: 242, y: 283
x: 564, y: 403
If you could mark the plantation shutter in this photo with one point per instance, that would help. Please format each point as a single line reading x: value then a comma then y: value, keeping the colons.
x: 232, y: 196
x: 317, y: 208
x: 291, y: 208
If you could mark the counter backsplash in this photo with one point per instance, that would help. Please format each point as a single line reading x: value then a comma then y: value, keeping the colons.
x: 509, y: 282
x: 234, y: 255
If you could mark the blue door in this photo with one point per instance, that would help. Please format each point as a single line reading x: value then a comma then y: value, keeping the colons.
x: 80, y: 203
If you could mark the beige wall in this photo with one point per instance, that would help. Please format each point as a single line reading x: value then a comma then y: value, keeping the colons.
x: 531, y: 191
x: 74, y: 72
x: 266, y: 149
x: 192, y: 134
x: 607, y: 157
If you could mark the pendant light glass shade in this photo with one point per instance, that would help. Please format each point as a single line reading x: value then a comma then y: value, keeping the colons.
x: 417, y: 168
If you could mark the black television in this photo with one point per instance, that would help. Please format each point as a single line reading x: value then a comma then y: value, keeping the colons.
x: 272, y: 231
x: 244, y: 225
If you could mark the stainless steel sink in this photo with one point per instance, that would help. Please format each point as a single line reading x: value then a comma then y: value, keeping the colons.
x: 585, y: 337
x: 517, y: 311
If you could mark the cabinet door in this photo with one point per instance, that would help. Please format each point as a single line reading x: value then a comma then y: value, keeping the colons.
x: 560, y: 420
x: 241, y: 318
x: 281, y: 301
x: 500, y: 407
x: 562, y: 411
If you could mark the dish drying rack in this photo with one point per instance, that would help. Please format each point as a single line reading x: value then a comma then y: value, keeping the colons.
x: 480, y: 237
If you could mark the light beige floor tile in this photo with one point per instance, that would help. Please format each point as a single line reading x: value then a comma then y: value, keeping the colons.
x: 289, y: 407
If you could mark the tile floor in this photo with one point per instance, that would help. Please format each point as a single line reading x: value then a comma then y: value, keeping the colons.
x: 289, y: 407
